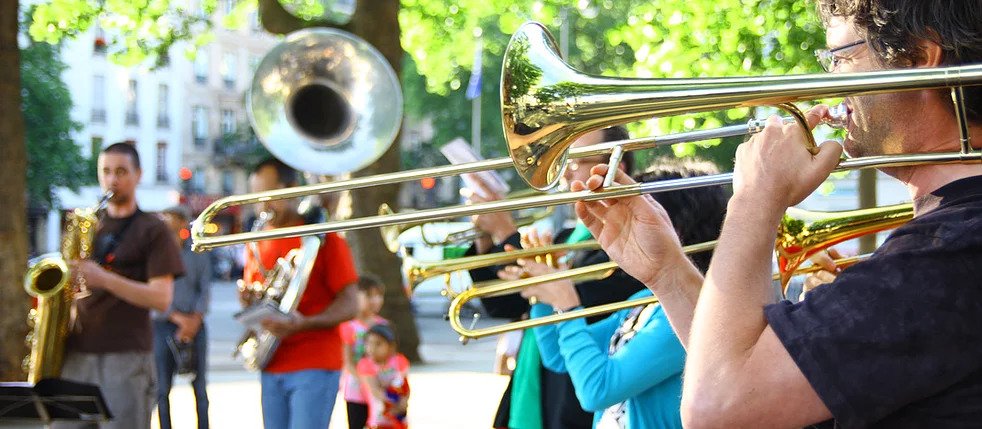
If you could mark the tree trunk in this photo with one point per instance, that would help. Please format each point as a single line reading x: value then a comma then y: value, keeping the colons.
x: 13, y: 217
x: 376, y: 21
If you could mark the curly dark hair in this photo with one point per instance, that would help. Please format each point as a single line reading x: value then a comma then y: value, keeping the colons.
x: 696, y: 213
x: 893, y: 28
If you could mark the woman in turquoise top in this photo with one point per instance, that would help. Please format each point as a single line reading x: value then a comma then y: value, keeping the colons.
x: 627, y: 368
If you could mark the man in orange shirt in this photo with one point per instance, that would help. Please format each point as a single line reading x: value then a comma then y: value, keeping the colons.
x: 300, y: 382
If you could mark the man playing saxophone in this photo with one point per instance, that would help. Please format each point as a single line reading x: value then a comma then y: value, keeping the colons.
x: 300, y: 381
x: 132, y: 271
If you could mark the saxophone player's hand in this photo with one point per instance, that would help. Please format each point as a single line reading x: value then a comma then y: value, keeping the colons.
x: 88, y: 273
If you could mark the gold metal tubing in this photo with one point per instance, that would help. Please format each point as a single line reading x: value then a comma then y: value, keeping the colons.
x: 620, y: 191
x: 546, y: 104
x: 803, y: 233
x: 595, y: 271
x: 841, y: 263
x: 420, y: 271
x: 201, y: 242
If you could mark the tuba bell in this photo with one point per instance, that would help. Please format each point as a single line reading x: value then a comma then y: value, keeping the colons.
x: 325, y: 102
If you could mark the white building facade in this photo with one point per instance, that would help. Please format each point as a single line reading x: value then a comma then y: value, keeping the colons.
x: 175, y: 115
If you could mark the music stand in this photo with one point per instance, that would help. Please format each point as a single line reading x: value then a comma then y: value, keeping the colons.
x: 51, y: 399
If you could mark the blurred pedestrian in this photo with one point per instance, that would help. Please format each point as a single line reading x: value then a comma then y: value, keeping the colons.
x: 179, y: 336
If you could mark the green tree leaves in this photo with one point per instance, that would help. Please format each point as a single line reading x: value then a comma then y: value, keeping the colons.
x: 53, y: 160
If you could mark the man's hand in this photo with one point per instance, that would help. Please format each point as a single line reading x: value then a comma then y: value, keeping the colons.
x: 89, y: 272
x: 636, y: 232
x: 774, y: 170
x: 498, y: 225
x: 559, y: 294
x: 284, y: 328
x: 188, y: 325
x: 829, y: 271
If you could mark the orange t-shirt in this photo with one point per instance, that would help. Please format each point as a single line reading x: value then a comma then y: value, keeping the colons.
x: 333, y: 270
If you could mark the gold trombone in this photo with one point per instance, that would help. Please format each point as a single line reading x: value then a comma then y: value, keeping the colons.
x: 390, y: 233
x: 419, y: 271
x: 546, y: 105
x: 800, y: 234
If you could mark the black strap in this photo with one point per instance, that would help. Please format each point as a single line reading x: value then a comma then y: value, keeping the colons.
x: 105, y: 249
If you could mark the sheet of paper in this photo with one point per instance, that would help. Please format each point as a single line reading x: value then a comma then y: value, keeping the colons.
x: 459, y: 152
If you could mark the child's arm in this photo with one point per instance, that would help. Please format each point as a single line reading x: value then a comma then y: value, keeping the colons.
x: 374, y: 387
x: 349, y: 360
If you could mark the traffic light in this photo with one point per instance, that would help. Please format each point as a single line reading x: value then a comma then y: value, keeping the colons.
x: 185, y: 175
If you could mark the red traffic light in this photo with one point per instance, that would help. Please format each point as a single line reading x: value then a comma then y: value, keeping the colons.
x: 185, y: 173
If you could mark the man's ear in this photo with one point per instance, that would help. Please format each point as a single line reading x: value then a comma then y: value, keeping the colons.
x: 931, y: 53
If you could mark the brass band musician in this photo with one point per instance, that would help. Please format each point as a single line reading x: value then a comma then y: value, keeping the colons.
x: 893, y: 341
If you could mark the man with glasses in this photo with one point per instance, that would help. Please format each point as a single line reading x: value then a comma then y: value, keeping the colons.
x: 892, y: 342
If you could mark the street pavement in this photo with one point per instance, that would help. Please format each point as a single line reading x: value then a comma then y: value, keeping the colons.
x: 454, y: 388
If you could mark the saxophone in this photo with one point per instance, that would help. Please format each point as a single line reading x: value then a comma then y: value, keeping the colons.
x: 49, y: 280
x: 283, y: 286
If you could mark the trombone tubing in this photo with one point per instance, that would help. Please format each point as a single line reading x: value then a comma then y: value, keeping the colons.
x: 545, y: 200
x: 841, y: 263
x: 597, y: 270
x: 429, y: 269
x: 201, y: 242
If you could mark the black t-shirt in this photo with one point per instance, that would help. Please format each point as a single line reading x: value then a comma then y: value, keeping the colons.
x: 896, y: 341
x: 146, y: 249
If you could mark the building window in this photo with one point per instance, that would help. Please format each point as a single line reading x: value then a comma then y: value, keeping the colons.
x: 163, y: 117
x: 201, y: 66
x: 254, y: 63
x: 161, y: 162
x: 199, y: 125
x: 99, y: 42
x: 98, y: 99
x: 229, y: 63
x: 198, y: 180
x: 132, y: 117
x: 254, y: 22
x: 228, y: 121
x: 228, y: 182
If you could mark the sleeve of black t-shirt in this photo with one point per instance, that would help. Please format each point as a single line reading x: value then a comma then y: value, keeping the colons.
x: 895, y: 330
x: 164, y: 256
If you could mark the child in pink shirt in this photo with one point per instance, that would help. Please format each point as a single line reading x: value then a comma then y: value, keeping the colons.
x: 370, y: 291
x: 383, y: 373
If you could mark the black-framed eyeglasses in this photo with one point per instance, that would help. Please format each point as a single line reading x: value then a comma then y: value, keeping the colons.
x: 828, y: 58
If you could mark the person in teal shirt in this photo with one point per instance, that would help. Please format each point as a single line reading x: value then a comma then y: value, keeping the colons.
x: 627, y: 368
